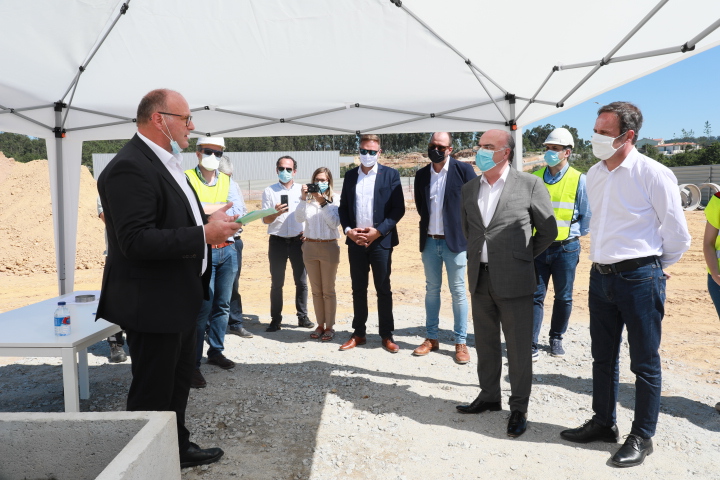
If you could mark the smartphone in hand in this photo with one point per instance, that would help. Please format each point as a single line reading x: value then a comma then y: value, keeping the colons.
x: 284, y: 199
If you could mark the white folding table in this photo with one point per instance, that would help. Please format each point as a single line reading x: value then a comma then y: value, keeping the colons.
x: 29, y: 332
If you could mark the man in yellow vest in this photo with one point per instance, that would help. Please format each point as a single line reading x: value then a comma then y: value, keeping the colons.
x: 214, y: 189
x: 572, y: 213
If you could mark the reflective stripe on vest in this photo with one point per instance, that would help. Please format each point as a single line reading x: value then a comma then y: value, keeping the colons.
x: 562, y: 197
x: 217, y: 193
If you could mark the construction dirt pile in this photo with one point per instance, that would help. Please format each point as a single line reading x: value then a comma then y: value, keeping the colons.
x: 27, y: 244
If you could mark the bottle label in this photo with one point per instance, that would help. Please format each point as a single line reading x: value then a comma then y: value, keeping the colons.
x: 60, y: 321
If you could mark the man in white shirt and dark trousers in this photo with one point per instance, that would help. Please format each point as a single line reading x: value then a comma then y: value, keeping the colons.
x: 285, y: 243
x: 638, y: 228
x: 371, y: 204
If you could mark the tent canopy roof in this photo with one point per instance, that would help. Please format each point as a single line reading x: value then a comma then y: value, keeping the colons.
x: 310, y: 62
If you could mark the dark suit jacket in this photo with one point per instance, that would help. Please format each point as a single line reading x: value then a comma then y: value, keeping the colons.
x: 458, y: 175
x: 151, y: 281
x: 388, y: 208
x: 524, y: 204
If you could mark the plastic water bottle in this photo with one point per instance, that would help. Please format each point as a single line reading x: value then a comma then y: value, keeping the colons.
x: 62, y: 320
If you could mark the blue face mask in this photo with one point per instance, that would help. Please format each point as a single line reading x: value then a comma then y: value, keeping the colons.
x: 285, y: 176
x: 552, y: 158
x: 176, y: 150
x: 322, y: 186
x: 484, y: 159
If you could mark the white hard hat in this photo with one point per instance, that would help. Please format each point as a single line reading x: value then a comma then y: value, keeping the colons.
x: 211, y: 141
x: 560, y: 136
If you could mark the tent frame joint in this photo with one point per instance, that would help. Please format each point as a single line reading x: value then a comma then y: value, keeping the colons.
x: 59, y: 132
x: 124, y: 8
x: 685, y: 48
x: 59, y: 106
x: 397, y: 3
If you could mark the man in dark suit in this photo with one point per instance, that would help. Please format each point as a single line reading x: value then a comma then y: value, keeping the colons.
x: 156, y: 273
x: 499, y: 211
x: 438, y: 202
x: 371, y: 204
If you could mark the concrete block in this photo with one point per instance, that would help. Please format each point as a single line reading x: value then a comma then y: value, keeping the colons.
x: 85, y: 446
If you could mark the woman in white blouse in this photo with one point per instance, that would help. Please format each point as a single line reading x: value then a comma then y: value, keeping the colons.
x: 321, y: 252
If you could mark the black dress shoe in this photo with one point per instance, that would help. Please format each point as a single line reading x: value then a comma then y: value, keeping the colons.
x: 195, y: 455
x: 478, y: 406
x: 517, y: 424
x: 305, y: 322
x: 273, y: 327
x: 592, y: 432
x: 634, y: 451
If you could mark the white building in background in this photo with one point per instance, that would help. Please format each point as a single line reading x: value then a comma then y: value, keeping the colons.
x: 679, y: 147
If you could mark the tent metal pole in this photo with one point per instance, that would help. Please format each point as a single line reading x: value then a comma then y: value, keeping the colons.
x: 60, y: 179
x: 518, y: 160
x: 446, y: 43
x: 617, y: 47
x: 73, y: 84
x: 488, y: 92
x: 322, y: 112
x: 321, y: 126
x: 541, y: 102
x: 475, y: 105
x: 402, y: 122
x: 251, y: 115
x: 391, y: 110
x: 532, y: 100
x: 31, y: 120
x: 690, y: 44
x: 245, y: 128
x: 89, y: 127
x: 95, y: 112
x: 465, y: 119
x: 24, y: 109
x: 624, y: 58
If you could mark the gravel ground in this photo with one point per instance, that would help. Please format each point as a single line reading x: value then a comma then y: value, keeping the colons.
x: 295, y: 408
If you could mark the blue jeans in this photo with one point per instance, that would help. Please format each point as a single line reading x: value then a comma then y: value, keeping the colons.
x: 714, y: 291
x: 559, y: 263
x: 213, y: 316
x: 636, y: 300
x: 434, y: 255
x: 236, y: 310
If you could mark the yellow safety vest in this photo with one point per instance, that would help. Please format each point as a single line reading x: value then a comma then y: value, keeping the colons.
x: 562, y: 197
x: 712, y: 215
x: 217, y: 193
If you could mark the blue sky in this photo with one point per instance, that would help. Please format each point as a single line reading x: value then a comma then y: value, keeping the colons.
x: 683, y: 95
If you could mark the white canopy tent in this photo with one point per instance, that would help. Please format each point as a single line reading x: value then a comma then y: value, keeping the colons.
x: 75, y: 70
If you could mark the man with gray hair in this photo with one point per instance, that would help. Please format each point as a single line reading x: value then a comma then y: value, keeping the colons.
x: 235, y: 321
x: 500, y: 209
x: 638, y: 229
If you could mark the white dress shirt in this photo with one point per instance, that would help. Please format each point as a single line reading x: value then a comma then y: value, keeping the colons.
x: 488, y: 198
x: 364, y: 197
x: 321, y: 223
x: 438, y: 180
x: 173, y: 163
x: 284, y: 225
x: 636, y: 212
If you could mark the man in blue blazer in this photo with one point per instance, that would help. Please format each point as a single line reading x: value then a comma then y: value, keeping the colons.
x: 371, y: 204
x: 439, y: 202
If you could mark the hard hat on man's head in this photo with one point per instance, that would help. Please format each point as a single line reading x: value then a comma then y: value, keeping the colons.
x: 560, y: 136
x: 211, y: 141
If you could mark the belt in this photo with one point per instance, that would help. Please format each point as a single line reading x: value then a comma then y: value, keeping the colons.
x: 288, y: 239
x: 564, y: 242
x: 625, y: 265
x: 222, y: 245
x: 320, y: 240
x: 438, y: 237
x: 484, y: 267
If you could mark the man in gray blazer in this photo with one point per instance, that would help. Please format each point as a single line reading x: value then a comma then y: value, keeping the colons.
x: 499, y: 211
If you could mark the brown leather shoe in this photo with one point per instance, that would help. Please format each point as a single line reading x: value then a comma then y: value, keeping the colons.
x: 429, y: 345
x: 221, y: 361
x: 462, y: 356
x: 197, y: 380
x: 389, y: 345
x: 353, y: 342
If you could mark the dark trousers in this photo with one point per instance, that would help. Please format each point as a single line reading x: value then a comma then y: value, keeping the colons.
x: 362, y: 259
x: 514, y: 316
x: 281, y: 249
x: 635, y: 300
x: 162, y: 364
x: 236, y: 310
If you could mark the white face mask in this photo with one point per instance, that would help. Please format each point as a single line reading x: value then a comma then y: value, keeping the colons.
x: 602, y: 145
x: 368, y: 161
x: 210, y: 162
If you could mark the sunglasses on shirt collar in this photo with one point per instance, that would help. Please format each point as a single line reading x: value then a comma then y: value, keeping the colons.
x: 368, y: 152
x: 210, y: 151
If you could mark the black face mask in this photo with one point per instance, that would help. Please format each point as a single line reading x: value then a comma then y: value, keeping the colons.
x: 436, y: 156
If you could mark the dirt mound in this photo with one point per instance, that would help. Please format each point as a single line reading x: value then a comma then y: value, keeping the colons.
x: 27, y: 244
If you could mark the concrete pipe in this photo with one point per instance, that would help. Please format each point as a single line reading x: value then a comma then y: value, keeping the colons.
x: 692, y: 196
x: 712, y: 188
